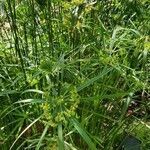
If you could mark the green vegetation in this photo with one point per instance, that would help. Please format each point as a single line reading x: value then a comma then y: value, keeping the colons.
x: 74, y: 74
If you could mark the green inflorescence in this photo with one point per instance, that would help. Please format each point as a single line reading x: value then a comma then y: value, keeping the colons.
x: 61, y: 108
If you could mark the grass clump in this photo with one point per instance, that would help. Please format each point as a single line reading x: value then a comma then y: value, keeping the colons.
x: 74, y: 74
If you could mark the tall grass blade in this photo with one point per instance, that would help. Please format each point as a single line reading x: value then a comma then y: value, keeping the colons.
x: 41, y: 138
x: 60, y: 138
x: 24, y: 132
x: 84, y: 135
x: 91, y: 81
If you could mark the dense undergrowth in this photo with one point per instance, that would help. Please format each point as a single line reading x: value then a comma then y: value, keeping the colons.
x: 74, y: 74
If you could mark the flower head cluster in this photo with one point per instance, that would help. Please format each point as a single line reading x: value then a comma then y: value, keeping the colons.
x: 61, y: 108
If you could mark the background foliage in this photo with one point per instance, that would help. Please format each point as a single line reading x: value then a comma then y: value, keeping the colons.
x: 74, y: 74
